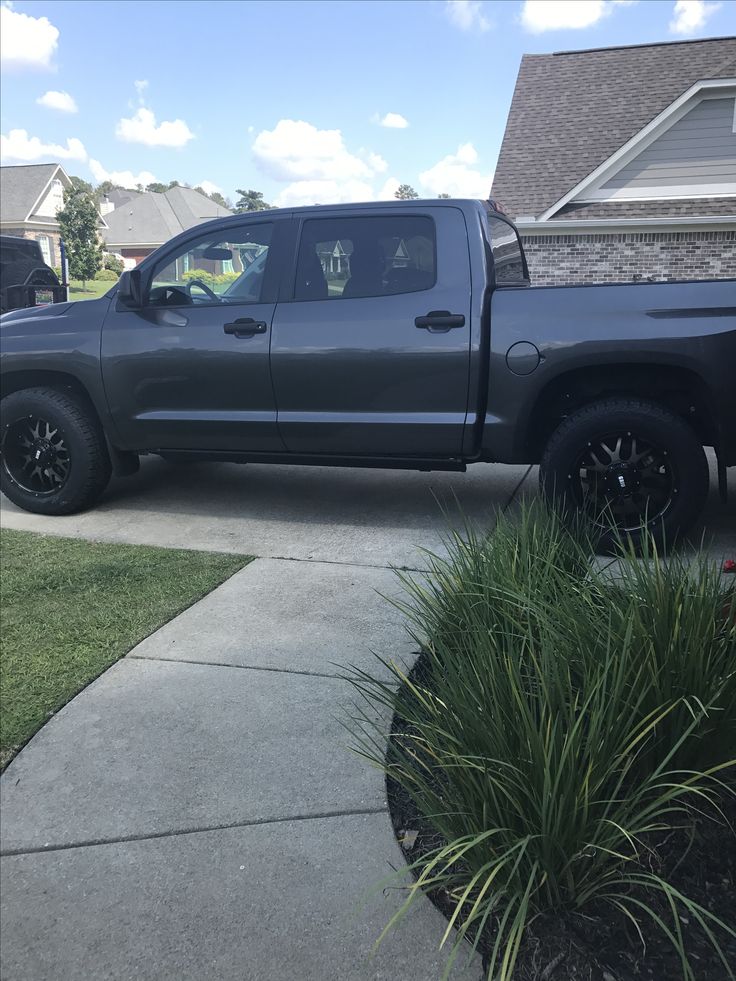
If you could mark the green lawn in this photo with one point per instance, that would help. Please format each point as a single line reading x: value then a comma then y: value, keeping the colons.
x: 70, y: 608
x: 94, y: 289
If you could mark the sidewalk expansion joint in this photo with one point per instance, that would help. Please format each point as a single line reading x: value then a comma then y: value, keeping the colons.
x: 516, y: 489
x: 343, y: 562
x: 180, y: 832
x: 238, y: 667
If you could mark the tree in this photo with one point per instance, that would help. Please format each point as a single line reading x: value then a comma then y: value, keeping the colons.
x: 78, y: 221
x: 79, y: 184
x: 405, y: 192
x: 157, y: 187
x: 219, y: 199
x: 250, y: 201
x: 216, y: 197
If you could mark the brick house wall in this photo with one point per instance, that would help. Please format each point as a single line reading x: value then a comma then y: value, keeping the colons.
x: 610, y: 258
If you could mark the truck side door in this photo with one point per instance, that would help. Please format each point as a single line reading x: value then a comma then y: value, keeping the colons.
x: 190, y: 369
x: 370, y: 351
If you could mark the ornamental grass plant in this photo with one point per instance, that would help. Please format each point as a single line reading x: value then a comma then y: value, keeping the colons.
x: 563, y: 720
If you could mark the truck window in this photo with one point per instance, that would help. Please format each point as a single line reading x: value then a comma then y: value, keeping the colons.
x: 344, y: 258
x: 508, y: 256
x: 213, y: 269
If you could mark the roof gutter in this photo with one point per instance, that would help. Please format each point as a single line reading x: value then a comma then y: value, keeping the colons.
x: 689, y: 223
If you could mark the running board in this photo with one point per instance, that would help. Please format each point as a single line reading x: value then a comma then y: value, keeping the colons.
x: 319, y: 460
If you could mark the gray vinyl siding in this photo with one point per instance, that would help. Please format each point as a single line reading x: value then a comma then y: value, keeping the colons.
x: 700, y: 148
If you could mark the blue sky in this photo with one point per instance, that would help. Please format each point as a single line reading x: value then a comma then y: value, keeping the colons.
x: 305, y: 101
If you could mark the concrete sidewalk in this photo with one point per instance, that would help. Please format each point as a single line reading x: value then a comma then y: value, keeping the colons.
x: 195, y: 813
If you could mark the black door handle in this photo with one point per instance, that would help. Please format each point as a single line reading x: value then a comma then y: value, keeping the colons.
x: 246, y: 327
x: 440, y: 321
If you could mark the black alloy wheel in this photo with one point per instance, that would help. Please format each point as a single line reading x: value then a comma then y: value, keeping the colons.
x: 55, y: 458
x: 624, y: 478
x: 632, y: 468
x: 35, y: 454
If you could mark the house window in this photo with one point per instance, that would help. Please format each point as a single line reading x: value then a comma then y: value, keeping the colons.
x: 46, y: 249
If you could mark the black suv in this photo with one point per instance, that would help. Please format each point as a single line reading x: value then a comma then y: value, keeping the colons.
x: 25, y: 279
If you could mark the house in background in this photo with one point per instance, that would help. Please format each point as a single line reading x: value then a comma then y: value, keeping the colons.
x: 141, y: 222
x: 114, y: 198
x: 620, y: 163
x: 30, y: 197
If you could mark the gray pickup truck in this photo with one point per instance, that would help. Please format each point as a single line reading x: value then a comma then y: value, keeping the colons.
x: 403, y: 334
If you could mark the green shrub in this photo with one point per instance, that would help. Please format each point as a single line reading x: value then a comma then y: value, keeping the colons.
x: 201, y: 274
x: 112, y: 262
x: 565, y: 716
x: 107, y: 274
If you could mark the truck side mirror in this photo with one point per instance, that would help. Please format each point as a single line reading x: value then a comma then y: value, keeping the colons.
x: 130, y: 290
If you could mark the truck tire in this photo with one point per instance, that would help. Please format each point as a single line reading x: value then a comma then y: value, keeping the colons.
x: 628, y: 463
x: 53, y: 456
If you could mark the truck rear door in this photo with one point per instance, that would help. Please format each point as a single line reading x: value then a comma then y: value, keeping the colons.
x: 370, y: 352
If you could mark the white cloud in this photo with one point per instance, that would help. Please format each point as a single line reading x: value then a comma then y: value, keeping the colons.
x: 334, y: 192
x: 393, y: 120
x: 208, y: 187
x: 125, y: 178
x: 538, y: 16
x: 455, y: 175
x: 58, y: 100
x: 25, y: 41
x: 389, y: 189
x: 317, y: 165
x: 688, y: 16
x: 324, y: 192
x: 141, y: 85
x: 18, y: 146
x: 467, y: 15
x: 297, y: 151
x: 142, y: 128
x: 376, y: 162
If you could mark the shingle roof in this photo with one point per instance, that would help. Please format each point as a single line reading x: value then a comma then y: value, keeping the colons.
x: 573, y: 109
x: 20, y: 188
x: 152, y: 219
x: 119, y: 195
x: 704, y: 207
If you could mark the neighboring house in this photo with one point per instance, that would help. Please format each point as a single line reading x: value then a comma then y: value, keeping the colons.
x: 30, y: 197
x: 620, y: 163
x: 114, y: 198
x: 143, y: 221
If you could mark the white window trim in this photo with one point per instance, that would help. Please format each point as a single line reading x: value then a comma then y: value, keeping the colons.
x: 706, y: 88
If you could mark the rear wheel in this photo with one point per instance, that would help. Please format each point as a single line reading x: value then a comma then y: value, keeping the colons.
x: 631, y: 467
x: 53, y: 457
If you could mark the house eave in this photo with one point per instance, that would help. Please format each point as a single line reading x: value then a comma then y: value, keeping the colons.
x: 691, y: 223
x: 132, y: 245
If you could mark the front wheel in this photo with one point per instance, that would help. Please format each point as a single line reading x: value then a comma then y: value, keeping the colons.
x: 631, y: 467
x: 53, y: 454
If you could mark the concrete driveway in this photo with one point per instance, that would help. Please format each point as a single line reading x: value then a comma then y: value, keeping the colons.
x: 369, y: 517
x: 372, y: 517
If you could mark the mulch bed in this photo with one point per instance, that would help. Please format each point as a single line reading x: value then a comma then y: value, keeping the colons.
x: 603, y: 945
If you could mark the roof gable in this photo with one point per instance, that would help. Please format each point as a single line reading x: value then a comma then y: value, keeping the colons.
x: 694, y: 135
x: 572, y: 111
x: 22, y: 188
